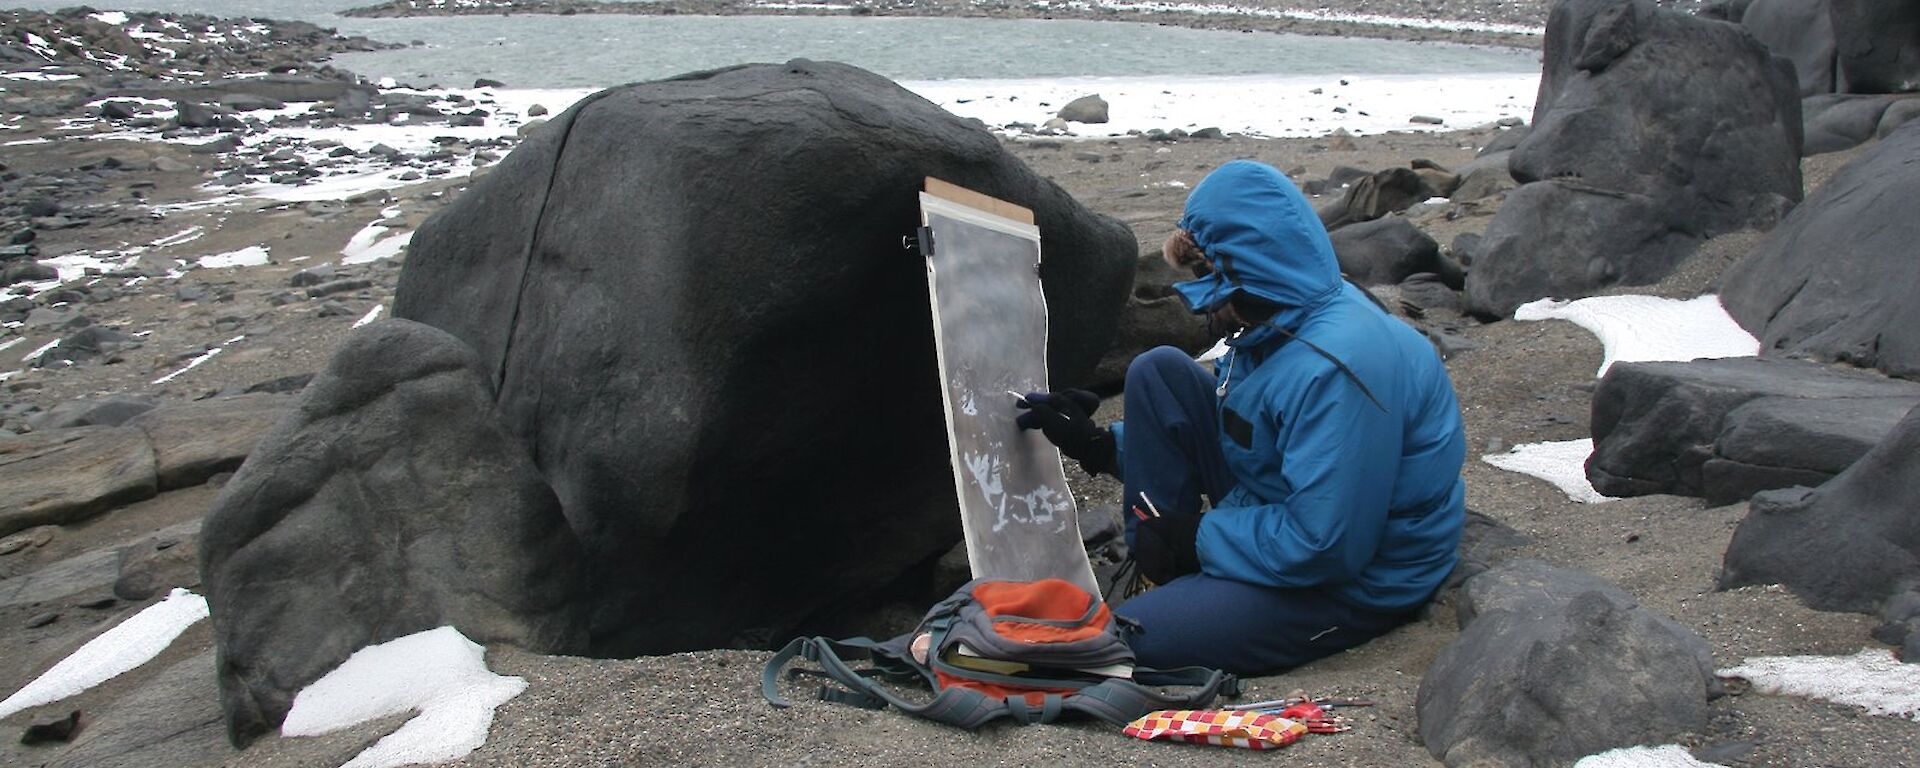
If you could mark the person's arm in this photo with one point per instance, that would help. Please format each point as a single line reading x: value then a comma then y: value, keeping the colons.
x: 1339, y: 459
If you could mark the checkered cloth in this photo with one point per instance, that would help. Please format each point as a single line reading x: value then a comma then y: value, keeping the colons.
x: 1247, y: 730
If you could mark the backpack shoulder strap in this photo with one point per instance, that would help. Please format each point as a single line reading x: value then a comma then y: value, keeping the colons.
x: 956, y: 706
x: 1121, y: 701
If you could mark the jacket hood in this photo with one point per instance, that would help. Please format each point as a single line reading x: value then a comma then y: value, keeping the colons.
x: 1261, y: 236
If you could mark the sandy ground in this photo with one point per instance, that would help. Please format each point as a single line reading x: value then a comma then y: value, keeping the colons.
x: 1525, y: 382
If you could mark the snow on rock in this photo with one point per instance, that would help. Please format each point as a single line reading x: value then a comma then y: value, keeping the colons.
x: 438, y: 673
x: 1872, y: 679
x: 126, y: 646
x: 250, y: 256
x: 1564, y: 464
x: 1646, y: 328
x: 370, y: 316
x: 1669, y: 756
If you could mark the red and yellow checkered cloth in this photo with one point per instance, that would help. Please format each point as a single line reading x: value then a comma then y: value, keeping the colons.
x: 1247, y: 730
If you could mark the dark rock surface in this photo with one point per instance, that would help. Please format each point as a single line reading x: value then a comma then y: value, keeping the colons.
x: 1840, y: 121
x: 67, y: 475
x: 1680, y: 428
x: 110, y: 411
x: 390, y: 501
x: 1155, y: 316
x: 1552, y: 665
x: 1848, y: 545
x: 1676, y: 129
x: 1800, y: 31
x: 701, y: 394
x: 1388, y: 251
x: 1877, y: 45
x: 174, y: 719
x: 195, y: 440
x: 1801, y: 299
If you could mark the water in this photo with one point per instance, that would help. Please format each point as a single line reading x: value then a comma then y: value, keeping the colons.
x: 536, y: 51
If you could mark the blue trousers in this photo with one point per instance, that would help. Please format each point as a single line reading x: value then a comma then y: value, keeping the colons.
x: 1172, y: 455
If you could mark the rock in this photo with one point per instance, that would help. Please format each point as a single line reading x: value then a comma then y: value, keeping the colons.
x: 1840, y: 121
x: 393, y: 476
x: 249, y: 102
x: 312, y: 276
x: 1376, y: 195
x: 63, y: 476
x: 1780, y: 442
x: 1430, y: 291
x: 1552, y: 665
x: 1656, y: 426
x: 26, y: 272
x: 1210, y: 133
x: 1670, y: 158
x: 1850, y: 544
x: 293, y: 383
x: 192, y: 115
x: 155, y: 565
x: 217, y: 146
x: 1086, y: 109
x: 1155, y: 316
x: 1484, y: 177
x: 90, y: 343
x: 22, y: 236
x: 1817, y: 286
x: 1426, y: 120
x: 110, y: 410
x: 338, y: 286
x: 1387, y: 251
x: 640, y: 237
x: 171, y: 719
x: 1505, y: 140
x: 37, y: 536
x: 119, y: 110
x: 24, y: 251
x: 488, y: 83
x: 165, y: 164
x: 1563, y: 239
x: 1800, y: 31
x: 195, y: 440
x: 1876, y: 46
x: 536, y: 110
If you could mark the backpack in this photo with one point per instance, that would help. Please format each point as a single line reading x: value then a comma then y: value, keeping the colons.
x: 1027, y: 650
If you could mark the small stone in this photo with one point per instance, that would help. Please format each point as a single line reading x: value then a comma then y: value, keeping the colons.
x: 104, y: 601
x: 39, y: 620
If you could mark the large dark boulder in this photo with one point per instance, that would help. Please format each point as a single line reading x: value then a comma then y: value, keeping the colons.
x: 390, y: 500
x: 1552, y: 665
x: 1677, y: 127
x: 1837, y: 279
x: 1155, y: 316
x: 1723, y: 429
x: 1387, y: 251
x: 1877, y: 45
x: 1838, y: 121
x: 692, y: 300
x: 1800, y: 31
x: 1848, y: 545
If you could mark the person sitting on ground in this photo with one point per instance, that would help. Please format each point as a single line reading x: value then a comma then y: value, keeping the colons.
x: 1328, y: 446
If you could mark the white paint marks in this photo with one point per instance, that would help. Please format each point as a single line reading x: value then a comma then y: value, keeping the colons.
x: 1872, y: 679
x: 1646, y: 328
x: 372, y: 315
x: 250, y: 256
x: 1669, y: 756
x: 438, y: 673
x: 1564, y: 464
x: 120, y: 649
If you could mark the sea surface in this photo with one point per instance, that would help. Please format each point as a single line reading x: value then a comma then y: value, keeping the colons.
x: 590, y: 51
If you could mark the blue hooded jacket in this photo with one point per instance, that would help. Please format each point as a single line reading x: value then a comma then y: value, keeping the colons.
x: 1346, y: 480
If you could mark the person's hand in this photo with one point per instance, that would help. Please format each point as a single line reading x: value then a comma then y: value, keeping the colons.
x: 1066, y: 418
x: 1166, y: 548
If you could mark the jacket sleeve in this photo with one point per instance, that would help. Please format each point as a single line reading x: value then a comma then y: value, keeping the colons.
x: 1339, y: 459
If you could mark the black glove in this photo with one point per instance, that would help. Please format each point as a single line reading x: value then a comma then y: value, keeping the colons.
x: 1165, y: 548
x: 1066, y: 418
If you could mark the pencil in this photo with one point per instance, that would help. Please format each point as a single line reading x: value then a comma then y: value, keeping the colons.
x: 1150, y: 507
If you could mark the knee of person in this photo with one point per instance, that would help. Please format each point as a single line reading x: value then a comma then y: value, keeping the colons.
x: 1153, y: 363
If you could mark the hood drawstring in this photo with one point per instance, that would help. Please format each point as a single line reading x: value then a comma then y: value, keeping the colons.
x: 1221, y: 391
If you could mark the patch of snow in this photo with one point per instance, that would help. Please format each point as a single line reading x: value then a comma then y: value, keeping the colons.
x: 187, y: 235
x: 372, y: 243
x: 1564, y: 464
x: 439, y: 673
x: 250, y: 256
x: 115, y: 18
x: 25, y: 142
x: 10, y: 343
x: 191, y: 364
x: 1669, y: 756
x: 1872, y: 679
x: 43, y: 348
x: 126, y: 646
x: 1646, y: 328
x: 372, y: 315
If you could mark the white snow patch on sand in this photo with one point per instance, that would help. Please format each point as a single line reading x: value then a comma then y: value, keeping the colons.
x: 372, y: 315
x: 1669, y: 756
x: 372, y: 243
x: 250, y: 256
x: 195, y: 363
x: 1561, y: 463
x: 1645, y: 328
x: 438, y: 673
x: 1872, y: 679
x: 128, y: 645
